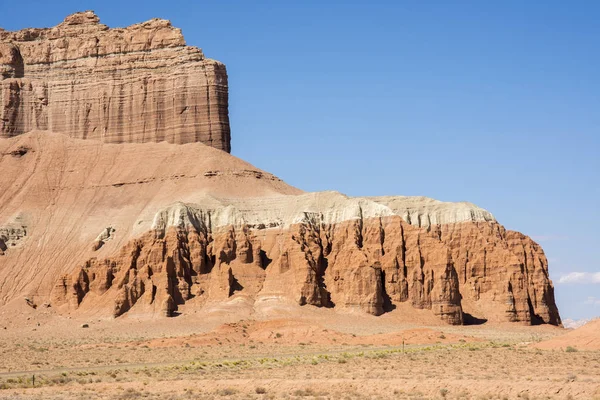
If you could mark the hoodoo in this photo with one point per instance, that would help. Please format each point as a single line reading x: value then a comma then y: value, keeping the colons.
x: 115, y: 225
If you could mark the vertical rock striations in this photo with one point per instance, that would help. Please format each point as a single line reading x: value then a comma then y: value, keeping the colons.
x: 326, y: 250
x: 134, y: 84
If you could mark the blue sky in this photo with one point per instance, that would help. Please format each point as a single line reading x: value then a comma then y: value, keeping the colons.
x: 497, y: 103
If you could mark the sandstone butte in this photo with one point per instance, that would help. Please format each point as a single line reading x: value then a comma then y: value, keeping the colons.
x: 137, y: 84
x: 113, y: 226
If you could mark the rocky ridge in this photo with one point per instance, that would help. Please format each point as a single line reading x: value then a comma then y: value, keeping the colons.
x: 135, y: 84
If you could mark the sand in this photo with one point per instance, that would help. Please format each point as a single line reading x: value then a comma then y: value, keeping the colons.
x: 320, y: 354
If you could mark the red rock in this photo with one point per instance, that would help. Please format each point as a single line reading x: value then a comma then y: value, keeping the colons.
x: 134, y: 84
x: 158, y: 228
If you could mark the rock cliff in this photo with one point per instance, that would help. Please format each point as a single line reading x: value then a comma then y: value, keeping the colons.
x: 366, y: 257
x: 161, y: 228
x: 135, y: 84
x: 109, y: 226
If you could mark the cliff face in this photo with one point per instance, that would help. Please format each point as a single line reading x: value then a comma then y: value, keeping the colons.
x: 134, y: 84
x: 160, y: 228
x: 363, y: 257
x: 91, y: 226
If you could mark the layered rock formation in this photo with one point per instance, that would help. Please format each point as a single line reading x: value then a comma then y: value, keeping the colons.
x: 326, y: 250
x: 95, y: 227
x: 160, y: 228
x: 135, y: 84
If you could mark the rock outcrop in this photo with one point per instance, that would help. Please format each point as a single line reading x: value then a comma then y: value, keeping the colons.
x: 325, y: 250
x: 97, y: 227
x: 152, y: 228
x: 12, y: 231
x: 135, y: 84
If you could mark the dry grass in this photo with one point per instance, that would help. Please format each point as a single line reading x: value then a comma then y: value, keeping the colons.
x: 485, y: 370
x: 146, y: 363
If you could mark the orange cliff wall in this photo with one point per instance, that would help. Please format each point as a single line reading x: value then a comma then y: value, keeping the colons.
x: 135, y: 84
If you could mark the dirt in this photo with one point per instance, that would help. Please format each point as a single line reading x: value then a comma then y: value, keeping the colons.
x: 586, y: 337
x: 319, y: 355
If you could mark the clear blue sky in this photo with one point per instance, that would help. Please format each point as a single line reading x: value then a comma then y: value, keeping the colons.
x: 497, y: 103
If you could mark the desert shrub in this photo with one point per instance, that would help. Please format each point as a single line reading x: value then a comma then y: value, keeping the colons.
x: 304, y: 392
x: 226, y: 391
x: 571, y: 349
x: 260, y: 390
x: 130, y: 393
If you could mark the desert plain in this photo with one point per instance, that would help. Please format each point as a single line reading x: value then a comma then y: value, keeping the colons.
x: 317, y: 354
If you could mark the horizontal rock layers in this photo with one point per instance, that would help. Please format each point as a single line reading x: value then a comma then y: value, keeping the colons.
x: 120, y: 224
x: 134, y: 84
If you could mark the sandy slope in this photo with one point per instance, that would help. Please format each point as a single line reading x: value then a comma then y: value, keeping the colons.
x: 68, y: 191
x: 585, y: 338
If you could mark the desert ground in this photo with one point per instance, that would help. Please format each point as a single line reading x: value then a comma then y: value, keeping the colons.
x: 228, y: 353
x: 140, y: 260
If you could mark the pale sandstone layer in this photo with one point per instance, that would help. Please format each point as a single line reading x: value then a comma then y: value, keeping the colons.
x: 135, y: 84
x: 158, y: 228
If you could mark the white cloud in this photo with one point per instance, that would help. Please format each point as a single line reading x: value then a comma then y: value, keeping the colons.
x: 581, y: 278
x: 592, y: 301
